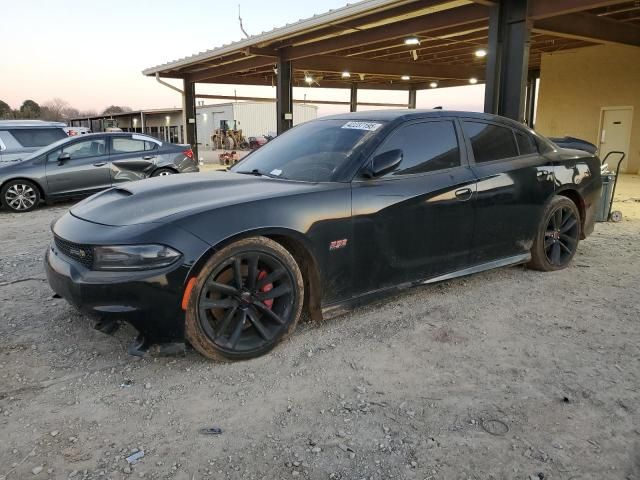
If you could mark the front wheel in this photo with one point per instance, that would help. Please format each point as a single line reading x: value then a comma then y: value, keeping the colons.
x: 558, y: 236
x: 246, y: 300
x: 20, y: 196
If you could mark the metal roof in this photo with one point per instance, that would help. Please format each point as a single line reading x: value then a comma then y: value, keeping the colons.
x: 348, y: 11
x: 30, y: 123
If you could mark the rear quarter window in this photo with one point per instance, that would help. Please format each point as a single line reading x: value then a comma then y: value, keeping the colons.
x: 37, y: 137
x: 526, y: 143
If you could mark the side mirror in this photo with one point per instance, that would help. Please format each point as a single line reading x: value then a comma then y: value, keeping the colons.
x: 384, y: 163
x: 63, y: 158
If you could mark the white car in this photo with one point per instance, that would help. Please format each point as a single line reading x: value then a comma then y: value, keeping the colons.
x: 21, y: 137
x: 73, y: 131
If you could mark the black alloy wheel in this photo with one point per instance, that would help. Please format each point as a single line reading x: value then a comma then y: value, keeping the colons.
x: 246, y: 300
x: 561, y: 236
x: 558, y: 237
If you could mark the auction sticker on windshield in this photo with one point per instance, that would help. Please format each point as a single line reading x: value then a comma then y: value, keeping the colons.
x: 370, y: 126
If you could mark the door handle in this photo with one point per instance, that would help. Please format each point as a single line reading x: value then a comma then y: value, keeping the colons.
x: 464, y: 194
x: 101, y: 164
x: 148, y: 157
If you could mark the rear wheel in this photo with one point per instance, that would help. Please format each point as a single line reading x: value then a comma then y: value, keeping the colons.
x: 558, y: 236
x: 20, y: 196
x: 163, y: 172
x: 247, y: 299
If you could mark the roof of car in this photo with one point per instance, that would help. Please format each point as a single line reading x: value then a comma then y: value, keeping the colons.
x: 403, y: 114
x: 30, y: 124
x: 115, y: 134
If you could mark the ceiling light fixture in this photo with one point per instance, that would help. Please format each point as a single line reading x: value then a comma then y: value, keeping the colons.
x: 433, y: 84
x: 346, y: 75
x: 473, y: 80
x: 308, y: 79
x: 412, y: 41
x: 481, y: 53
x: 405, y: 77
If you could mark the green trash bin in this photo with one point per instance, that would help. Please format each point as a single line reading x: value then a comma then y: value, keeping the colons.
x: 608, y: 182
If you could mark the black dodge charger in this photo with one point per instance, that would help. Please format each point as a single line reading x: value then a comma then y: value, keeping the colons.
x: 335, y: 212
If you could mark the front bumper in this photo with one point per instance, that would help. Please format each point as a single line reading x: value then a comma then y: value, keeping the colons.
x: 150, y: 301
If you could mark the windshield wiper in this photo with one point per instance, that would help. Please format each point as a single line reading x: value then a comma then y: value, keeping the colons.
x: 258, y: 173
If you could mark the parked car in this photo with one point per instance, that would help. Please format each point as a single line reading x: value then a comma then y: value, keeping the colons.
x: 83, y: 165
x: 19, y: 138
x: 257, y: 142
x: 332, y: 213
x: 73, y: 131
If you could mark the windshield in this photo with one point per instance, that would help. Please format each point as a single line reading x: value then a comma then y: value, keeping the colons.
x: 311, y: 152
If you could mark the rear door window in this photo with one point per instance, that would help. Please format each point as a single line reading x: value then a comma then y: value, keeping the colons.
x: 426, y: 147
x: 490, y: 142
x: 130, y: 145
x: 37, y: 137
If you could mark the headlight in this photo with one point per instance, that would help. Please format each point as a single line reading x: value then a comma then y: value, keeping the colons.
x: 133, y: 257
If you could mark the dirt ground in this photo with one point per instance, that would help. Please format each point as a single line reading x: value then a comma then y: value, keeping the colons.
x: 509, y: 374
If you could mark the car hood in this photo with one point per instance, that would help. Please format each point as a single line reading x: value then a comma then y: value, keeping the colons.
x: 165, y: 199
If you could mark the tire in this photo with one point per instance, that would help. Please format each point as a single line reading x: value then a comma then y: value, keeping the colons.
x: 163, y: 172
x: 227, y: 322
x: 20, y: 196
x: 558, y: 236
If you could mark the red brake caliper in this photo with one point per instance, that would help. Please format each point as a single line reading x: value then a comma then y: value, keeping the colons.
x: 268, y: 287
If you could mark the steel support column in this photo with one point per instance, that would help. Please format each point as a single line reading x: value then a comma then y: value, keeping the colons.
x: 189, y: 115
x: 508, y: 59
x: 284, y: 96
x: 413, y: 97
x: 143, y: 122
x: 353, y: 103
x: 530, y: 111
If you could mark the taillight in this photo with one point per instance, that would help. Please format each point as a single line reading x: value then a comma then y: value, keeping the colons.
x: 188, y: 153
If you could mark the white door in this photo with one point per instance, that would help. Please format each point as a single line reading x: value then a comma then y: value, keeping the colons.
x: 615, y: 134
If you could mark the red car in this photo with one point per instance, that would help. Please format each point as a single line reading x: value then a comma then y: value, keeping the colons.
x: 257, y: 142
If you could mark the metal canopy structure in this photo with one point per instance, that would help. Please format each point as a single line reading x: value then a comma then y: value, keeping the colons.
x: 411, y: 45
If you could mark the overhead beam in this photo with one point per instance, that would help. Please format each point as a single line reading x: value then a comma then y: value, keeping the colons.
x: 362, y: 85
x: 539, y: 9
x: 352, y: 25
x: 413, y: 26
x: 330, y: 63
x: 315, y: 102
x: 585, y: 26
x: 230, y: 68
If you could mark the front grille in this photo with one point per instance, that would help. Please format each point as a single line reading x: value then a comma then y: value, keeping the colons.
x: 80, y: 253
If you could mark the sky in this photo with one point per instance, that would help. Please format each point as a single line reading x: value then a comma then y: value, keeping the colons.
x: 91, y: 53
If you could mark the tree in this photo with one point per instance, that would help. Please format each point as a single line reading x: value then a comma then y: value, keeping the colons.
x: 116, y: 109
x: 88, y: 113
x: 53, y: 110
x: 30, y: 109
x: 5, y: 110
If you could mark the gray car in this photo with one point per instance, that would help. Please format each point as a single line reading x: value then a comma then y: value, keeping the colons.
x: 80, y: 166
x: 19, y: 138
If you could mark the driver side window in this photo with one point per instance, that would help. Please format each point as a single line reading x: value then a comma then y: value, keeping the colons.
x: 83, y: 149
x: 426, y: 147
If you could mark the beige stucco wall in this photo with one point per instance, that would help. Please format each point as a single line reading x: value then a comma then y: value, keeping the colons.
x: 576, y: 84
